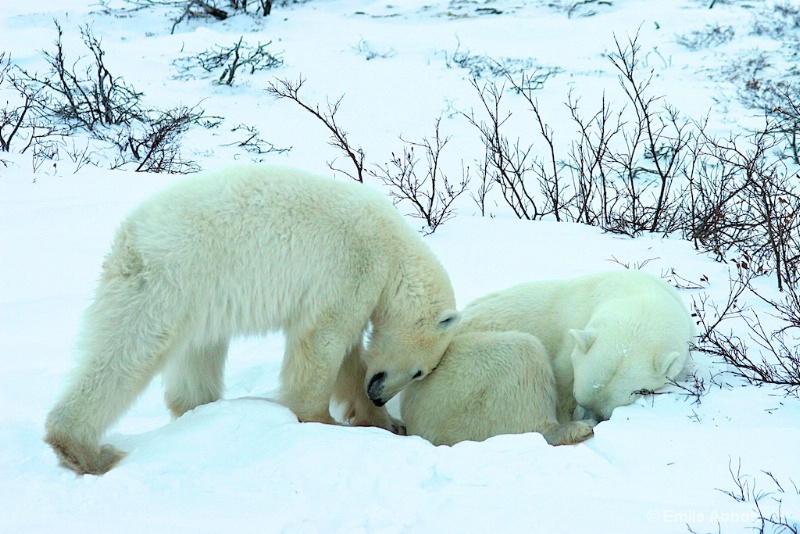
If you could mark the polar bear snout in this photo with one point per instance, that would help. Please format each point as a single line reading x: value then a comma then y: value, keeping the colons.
x: 383, y: 386
x: 375, y: 389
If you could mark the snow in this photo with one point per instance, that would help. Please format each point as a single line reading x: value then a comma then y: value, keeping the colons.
x: 244, y: 464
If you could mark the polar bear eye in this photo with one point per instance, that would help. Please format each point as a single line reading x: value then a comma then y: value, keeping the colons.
x: 418, y: 374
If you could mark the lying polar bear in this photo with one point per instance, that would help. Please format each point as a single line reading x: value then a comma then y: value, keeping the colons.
x: 489, y: 383
x: 529, y: 357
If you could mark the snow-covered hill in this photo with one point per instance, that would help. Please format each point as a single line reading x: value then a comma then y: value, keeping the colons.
x: 245, y: 464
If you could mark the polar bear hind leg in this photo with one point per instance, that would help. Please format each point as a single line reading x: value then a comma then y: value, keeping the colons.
x: 194, y: 376
x: 123, y: 342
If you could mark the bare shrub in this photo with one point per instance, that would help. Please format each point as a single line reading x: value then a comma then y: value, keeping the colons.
x: 485, y: 67
x: 429, y: 192
x: 779, y: 20
x: 365, y: 49
x: 579, y: 8
x: 786, y: 116
x: 647, y: 168
x: 262, y: 7
x: 153, y: 144
x: 254, y: 143
x: 43, y: 151
x: 191, y: 9
x: 758, y: 355
x: 80, y: 155
x: 658, y: 136
x: 84, y: 95
x: 481, y: 194
x: 780, y: 103
x: 14, y: 117
x: 521, y: 176
x: 215, y: 8
x: 206, y: 9
x: 546, y: 169
x: 710, y: 35
x: 290, y: 89
x: 766, y: 495
x: 26, y: 125
x: 745, y: 202
x: 619, y: 174
x: 504, y: 162
x: 229, y: 60
x: 596, y: 196
x: 767, y: 80
x: 692, y: 387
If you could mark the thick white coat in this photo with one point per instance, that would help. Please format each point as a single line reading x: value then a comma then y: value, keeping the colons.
x: 489, y: 383
x: 611, y: 336
x: 535, y: 356
x: 249, y: 250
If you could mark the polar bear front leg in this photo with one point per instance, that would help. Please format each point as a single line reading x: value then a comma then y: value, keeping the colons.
x: 359, y: 410
x: 308, y: 374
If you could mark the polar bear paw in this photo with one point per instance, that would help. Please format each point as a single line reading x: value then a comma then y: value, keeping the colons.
x: 570, y: 433
x: 86, y: 459
x: 381, y: 419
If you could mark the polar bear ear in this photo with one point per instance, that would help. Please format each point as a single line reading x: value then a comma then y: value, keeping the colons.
x: 669, y: 364
x: 584, y: 339
x: 447, y: 320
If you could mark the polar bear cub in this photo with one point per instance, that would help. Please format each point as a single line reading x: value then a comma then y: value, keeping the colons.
x: 243, y: 251
x: 608, y: 337
x: 489, y: 383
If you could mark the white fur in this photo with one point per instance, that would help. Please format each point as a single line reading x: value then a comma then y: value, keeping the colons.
x: 524, y: 358
x: 489, y: 383
x: 609, y: 335
x: 244, y: 251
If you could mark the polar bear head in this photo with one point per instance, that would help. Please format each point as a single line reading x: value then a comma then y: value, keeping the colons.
x: 612, y: 369
x: 400, y: 353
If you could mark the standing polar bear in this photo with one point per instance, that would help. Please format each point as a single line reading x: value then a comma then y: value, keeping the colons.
x: 526, y: 358
x: 243, y: 251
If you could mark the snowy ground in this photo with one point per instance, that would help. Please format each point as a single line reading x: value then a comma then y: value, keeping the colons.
x: 244, y: 464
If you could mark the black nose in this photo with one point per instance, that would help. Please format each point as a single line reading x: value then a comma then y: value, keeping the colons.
x: 375, y: 389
